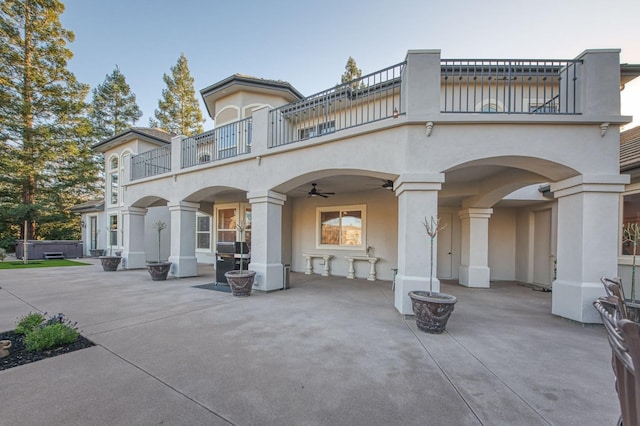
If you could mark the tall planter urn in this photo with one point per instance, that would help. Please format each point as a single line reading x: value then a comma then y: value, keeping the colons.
x: 432, y: 310
x: 110, y: 263
x: 241, y: 282
x: 158, y: 271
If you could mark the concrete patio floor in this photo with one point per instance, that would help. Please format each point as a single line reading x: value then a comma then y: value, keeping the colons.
x: 329, y: 351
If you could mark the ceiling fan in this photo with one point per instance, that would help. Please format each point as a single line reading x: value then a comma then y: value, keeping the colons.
x: 315, y: 193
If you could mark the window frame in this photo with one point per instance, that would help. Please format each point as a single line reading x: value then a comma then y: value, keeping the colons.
x: 198, y: 231
x: 363, y: 218
x: 113, y: 190
x: 627, y: 257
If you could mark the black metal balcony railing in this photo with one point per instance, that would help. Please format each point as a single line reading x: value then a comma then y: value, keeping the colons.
x: 509, y: 86
x: 151, y: 163
x: 367, y: 99
x: 222, y: 142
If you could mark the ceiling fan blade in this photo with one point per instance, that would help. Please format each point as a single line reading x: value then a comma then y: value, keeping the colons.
x: 322, y: 195
x: 329, y: 193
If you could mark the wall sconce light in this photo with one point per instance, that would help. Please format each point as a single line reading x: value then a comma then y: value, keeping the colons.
x: 429, y: 126
x: 396, y: 114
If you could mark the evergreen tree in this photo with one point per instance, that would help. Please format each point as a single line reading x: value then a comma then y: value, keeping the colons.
x: 178, y: 111
x: 114, y: 107
x: 45, y: 158
x: 351, y: 71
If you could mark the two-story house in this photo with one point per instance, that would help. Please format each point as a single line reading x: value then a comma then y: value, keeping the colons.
x: 519, y: 158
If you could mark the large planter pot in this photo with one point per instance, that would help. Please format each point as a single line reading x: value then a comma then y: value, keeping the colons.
x: 110, y: 263
x: 241, y: 282
x: 432, y: 310
x: 158, y: 271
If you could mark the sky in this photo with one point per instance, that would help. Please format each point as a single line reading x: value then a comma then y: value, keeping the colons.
x: 307, y: 43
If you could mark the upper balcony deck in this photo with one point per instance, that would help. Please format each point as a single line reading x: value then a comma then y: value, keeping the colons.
x: 424, y: 87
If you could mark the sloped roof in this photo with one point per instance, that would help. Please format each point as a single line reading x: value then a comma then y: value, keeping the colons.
x: 630, y: 149
x: 89, y: 206
x: 157, y: 136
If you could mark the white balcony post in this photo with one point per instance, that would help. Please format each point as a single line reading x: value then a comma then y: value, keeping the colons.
x: 588, y: 235
x: 600, y: 82
x: 176, y: 153
x: 133, y: 255
x: 266, y: 239
x: 417, y: 198
x: 421, y: 84
x: 183, y: 239
x: 260, y: 131
x: 474, y: 268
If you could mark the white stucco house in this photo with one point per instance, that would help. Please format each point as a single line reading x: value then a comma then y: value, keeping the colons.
x: 519, y: 158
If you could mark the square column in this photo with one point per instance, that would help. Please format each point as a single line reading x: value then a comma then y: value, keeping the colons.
x: 474, y: 263
x: 266, y: 239
x: 133, y: 254
x: 588, y: 232
x: 183, y: 239
x: 417, y: 198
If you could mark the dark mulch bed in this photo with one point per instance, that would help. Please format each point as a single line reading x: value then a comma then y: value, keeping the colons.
x: 18, y: 355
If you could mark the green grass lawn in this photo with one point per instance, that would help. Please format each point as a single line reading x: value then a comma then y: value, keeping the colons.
x: 40, y: 264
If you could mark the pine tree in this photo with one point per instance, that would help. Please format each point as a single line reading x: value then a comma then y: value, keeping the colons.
x: 114, y: 107
x: 352, y: 72
x: 45, y: 158
x: 178, y: 111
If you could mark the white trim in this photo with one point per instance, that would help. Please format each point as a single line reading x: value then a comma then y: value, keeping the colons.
x: 233, y: 107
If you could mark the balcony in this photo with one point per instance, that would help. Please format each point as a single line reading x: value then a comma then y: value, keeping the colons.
x: 217, y: 144
x: 365, y: 100
x: 151, y: 163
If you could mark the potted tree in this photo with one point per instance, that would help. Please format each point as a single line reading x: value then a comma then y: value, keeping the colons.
x: 158, y: 269
x: 110, y: 263
x: 240, y: 280
x: 631, y: 236
x: 432, y: 310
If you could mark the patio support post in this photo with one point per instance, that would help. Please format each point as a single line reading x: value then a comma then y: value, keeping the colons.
x: 133, y: 254
x: 183, y: 239
x: 417, y: 199
x: 266, y: 239
x: 588, y: 237
x: 474, y: 263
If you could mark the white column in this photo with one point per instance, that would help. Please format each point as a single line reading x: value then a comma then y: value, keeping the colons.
x: 266, y: 239
x: 474, y: 251
x: 417, y: 200
x: 183, y: 239
x: 133, y: 254
x: 588, y: 232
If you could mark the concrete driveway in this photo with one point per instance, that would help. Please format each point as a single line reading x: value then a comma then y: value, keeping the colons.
x: 329, y: 351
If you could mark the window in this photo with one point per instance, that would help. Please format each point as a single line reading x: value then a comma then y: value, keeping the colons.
x: 226, y: 218
x: 630, y: 215
x: 226, y: 225
x: 203, y: 232
x: 307, y: 133
x: 328, y: 127
x: 113, y: 230
x: 112, y: 181
x: 341, y: 227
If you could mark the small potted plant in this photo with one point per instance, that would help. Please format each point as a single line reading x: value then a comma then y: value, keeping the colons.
x: 159, y: 270
x: 110, y: 263
x: 241, y: 280
x: 432, y: 310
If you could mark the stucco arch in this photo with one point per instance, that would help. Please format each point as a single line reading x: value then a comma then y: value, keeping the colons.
x: 550, y: 170
x: 216, y: 192
x: 150, y: 201
x: 318, y: 175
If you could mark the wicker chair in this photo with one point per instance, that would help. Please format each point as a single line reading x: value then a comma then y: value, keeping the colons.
x: 624, y: 339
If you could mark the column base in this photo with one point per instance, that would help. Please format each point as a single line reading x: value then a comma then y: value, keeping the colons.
x: 574, y: 300
x: 184, y: 266
x: 269, y: 276
x: 474, y: 276
x: 404, y: 285
x: 134, y: 260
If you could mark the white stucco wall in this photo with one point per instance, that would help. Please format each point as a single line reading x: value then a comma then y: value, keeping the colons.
x: 502, y: 243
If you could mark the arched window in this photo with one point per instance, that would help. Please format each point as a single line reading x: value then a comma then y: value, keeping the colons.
x: 112, y: 181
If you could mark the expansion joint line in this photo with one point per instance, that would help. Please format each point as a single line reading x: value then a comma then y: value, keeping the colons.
x: 499, y: 379
x: 21, y: 299
x: 168, y: 385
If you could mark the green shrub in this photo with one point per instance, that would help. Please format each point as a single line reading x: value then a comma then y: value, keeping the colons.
x: 29, y: 322
x: 50, y: 336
